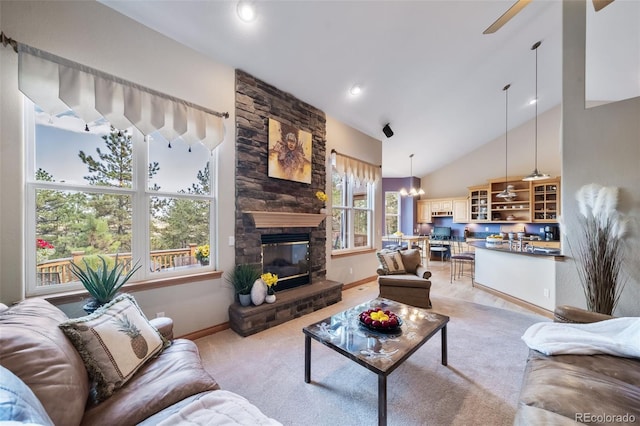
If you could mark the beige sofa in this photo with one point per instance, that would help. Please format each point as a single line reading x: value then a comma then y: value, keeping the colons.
x: 412, y: 286
x: 36, y: 353
x: 570, y: 389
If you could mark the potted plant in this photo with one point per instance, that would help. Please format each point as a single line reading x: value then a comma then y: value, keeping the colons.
x: 102, y: 279
x: 202, y: 254
x: 242, y: 278
x: 270, y: 280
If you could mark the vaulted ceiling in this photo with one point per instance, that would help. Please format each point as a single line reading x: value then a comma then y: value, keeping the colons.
x: 424, y: 66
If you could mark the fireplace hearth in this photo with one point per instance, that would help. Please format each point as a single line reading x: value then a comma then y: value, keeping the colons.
x: 287, y: 255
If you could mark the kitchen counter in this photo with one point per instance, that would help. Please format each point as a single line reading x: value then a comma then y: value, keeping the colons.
x: 506, y: 247
x: 527, y: 276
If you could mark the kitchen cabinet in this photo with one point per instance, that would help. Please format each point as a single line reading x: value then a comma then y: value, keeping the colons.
x: 517, y: 209
x: 441, y: 207
x: 424, y: 212
x: 460, y: 210
x: 478, y: 203
x: 546, y: 200
x: 545, y: 244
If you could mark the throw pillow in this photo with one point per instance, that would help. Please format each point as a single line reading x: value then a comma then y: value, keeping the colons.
x: 114, y: 342
x: 391, y: 262
x: 410, y: 259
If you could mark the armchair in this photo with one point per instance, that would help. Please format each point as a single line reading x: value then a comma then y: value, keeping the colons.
x: 408, y: 281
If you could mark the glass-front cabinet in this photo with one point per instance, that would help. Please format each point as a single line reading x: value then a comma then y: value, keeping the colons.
x: 546, y: 200
x: 479, y: 203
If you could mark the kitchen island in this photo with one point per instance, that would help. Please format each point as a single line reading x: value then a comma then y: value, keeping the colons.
x: 529, y: 276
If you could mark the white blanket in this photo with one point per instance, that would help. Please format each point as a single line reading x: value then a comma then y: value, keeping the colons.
x: 219, y: 408
x: 618, y: 336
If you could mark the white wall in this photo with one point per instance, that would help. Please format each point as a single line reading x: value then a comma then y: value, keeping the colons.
x: 488, y: 161
x: 349, y: 141
x: 600, y: 145
x: 92, y: 34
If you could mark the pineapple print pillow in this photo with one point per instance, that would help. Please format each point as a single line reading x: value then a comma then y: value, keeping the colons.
x: 114, y: 342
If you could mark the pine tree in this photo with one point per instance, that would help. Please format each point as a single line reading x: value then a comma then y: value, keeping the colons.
x: 114, y: 167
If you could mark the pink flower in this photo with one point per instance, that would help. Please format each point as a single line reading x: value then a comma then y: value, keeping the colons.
x: 42, y: 244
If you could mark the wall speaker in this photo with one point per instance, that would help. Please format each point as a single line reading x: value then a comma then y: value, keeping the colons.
x: 387, y: 130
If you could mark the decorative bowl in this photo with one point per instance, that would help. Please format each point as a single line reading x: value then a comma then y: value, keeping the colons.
x: 380, y: 320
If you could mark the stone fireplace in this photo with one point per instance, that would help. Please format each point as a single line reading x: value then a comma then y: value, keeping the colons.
x: 256, y: 192
x: 268, y: 208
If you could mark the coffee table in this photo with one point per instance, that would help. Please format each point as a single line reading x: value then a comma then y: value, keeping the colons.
x: 376, y: 351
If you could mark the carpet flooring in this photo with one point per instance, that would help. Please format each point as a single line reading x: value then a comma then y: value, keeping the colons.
x: 480, y: 385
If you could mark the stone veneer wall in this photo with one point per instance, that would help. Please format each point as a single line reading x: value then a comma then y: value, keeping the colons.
x: 256, y: 102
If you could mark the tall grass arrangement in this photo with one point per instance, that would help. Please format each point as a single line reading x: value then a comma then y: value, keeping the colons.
x: 600, y: 248
x: 242, y: 278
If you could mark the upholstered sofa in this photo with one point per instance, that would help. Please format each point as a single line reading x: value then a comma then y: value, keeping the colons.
x: 44, y: 378
x: 569, y: 389
x: 403, y: 278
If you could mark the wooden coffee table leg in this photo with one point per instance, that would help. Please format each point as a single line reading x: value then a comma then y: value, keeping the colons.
x: 443, y: 335
x: 307, y: 359
x: 382, y: 400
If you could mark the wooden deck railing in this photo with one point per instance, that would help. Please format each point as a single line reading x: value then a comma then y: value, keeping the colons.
x: 57, y: 271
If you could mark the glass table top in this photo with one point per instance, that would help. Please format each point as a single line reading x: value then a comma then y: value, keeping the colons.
x: 380, y: 352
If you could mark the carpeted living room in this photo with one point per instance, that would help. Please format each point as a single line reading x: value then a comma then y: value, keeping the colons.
x: 224, y: 169
x: 480, y: 384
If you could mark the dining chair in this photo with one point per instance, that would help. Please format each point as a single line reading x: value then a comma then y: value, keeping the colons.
x: 460, y: 258
x: 441, y: 247
x: 394, y: 243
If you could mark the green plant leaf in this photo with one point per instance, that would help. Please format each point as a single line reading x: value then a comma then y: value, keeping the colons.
x: 102, y: 281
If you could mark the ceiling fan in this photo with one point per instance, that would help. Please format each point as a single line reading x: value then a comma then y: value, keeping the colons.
x: 520, y: 4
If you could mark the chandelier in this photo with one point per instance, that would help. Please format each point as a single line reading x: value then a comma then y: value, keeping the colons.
x: 413, y: 192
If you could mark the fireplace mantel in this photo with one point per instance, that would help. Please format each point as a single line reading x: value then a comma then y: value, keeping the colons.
x: 286, y: 219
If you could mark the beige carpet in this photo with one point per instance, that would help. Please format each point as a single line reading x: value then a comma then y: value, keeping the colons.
x: 480, y: 386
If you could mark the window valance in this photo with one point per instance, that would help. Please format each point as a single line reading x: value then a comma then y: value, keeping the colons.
x: 56, y: 84
x: 360, y: 170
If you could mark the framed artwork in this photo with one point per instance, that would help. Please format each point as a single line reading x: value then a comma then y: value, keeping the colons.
x: 289, y: 152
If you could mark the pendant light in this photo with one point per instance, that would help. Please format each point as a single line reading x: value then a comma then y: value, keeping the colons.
x: 412, y: 192
x: 507, y: 193
x: 536, y: 175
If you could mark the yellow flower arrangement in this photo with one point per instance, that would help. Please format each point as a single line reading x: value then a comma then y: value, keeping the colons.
x: 270, y: 280
x: 202, y: 252
x: 320, y: 195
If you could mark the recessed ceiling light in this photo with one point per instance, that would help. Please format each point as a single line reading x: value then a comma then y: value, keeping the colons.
x: 533, y: 101
x: 246, y: 11
x: 355, y: 90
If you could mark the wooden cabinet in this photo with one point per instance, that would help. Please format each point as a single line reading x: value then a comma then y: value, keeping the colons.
x: 478, y: 203
x: 460, y: 210
x: 424, y: 212
x: 537, y: 201
x: 517, y: 209
x: 546, y: 200
x: 441, y: 207
x: 545, y: 244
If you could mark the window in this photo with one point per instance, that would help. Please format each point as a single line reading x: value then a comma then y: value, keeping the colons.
x: 352, y: 212
x: 103, y: 191
x: 391, y: 212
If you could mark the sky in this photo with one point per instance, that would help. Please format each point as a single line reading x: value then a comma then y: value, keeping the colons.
x: 60, y: 138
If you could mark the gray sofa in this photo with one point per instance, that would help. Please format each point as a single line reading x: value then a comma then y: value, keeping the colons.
x: 571, y: 389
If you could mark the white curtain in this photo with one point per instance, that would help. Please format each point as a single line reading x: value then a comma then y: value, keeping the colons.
x: 360, y: 170
x: 56, y: 84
